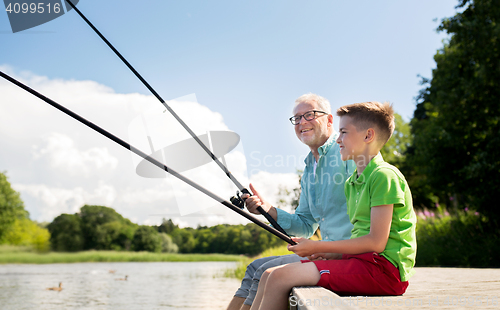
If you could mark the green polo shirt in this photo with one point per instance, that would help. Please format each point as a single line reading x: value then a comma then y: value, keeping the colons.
x: 383, y: 184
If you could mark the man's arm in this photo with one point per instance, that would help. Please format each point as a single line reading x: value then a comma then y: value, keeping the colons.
x: 374, y: 241
x: 300, y: 224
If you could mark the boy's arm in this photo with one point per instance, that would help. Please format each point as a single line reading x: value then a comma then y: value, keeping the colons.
x: 374, y: 241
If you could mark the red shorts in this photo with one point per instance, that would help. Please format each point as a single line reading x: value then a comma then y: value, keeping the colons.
x: 367, y: 274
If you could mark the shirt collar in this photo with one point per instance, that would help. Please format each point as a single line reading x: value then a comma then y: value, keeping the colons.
x: 374, y: 162
x: 324, y: 149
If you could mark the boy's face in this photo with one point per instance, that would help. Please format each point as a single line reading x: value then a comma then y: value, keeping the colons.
x: 351, y: 141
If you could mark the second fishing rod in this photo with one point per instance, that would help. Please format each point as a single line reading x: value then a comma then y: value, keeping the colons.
x: 236, y: 200
x: 150, y: 159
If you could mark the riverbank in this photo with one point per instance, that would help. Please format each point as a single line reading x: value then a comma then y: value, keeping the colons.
x: 23, y: 255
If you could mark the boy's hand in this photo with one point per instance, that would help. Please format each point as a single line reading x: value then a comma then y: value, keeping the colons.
x: 325, y: 256
x: 303, y: 248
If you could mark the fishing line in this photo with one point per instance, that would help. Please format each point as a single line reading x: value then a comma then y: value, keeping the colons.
x: 152, y: 160
x: 237, y: 200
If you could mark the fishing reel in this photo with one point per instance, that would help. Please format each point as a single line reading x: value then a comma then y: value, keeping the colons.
x: 237, y: 200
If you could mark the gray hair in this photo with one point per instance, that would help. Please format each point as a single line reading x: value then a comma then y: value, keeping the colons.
x: 323, y: 103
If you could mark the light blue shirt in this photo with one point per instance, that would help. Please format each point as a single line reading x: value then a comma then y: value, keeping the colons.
x: 322, y: 198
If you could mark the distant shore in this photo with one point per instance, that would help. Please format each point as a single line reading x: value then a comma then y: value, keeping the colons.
x: 22, y: 255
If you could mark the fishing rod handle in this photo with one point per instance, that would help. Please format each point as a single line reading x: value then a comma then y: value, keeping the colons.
x: 266, y: 214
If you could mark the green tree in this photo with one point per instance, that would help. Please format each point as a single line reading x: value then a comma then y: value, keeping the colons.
x: 28, y: 233
x: 221, y: 239
x: 167, y: 244
x: 95, y: 227
x: 185, y: 239
x: 147, y: 238
x: 104, y: 229
x: 227, y: 239
x: 394, y: 151
x: 167, y: 226
x: 108, y: 235
x: 124, y: 239
x: 204, y: 240
x: 66, y: 233
x: 11, y: 207
x: 456, y: 124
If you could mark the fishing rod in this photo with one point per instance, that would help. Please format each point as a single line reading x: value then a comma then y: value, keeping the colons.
x: 236, y: 200
x: 155, y: 162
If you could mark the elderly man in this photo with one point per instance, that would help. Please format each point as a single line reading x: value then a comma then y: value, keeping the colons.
x: 322, y: 200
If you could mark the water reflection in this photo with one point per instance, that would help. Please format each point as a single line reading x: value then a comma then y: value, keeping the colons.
x: 185, y: 285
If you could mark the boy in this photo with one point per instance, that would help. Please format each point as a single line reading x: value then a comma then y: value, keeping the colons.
x: 379, y: 257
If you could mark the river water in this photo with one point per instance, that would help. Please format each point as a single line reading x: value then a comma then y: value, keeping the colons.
x: 167, y: 285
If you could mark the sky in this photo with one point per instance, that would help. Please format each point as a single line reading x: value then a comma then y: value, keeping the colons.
x: 226, y: 66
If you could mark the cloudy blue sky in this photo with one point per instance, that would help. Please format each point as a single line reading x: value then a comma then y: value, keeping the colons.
x: 241, y: 64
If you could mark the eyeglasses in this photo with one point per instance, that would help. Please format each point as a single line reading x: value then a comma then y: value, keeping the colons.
x: 308, y: 116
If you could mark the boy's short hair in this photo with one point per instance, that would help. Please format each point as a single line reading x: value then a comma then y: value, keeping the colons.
x: 371, y: 114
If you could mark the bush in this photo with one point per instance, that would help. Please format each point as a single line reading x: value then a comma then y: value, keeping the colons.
x: 184, y: 238
x: 466, y: 239
x: 66, y: 233
x: 167, y: 245
x: 247, y: 239
x: 146, y: 238
x: 25, y: 232
x: 105, y: 229
x: 95, y: 228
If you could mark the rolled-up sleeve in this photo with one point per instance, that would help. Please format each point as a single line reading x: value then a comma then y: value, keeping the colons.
x: 302, y: 223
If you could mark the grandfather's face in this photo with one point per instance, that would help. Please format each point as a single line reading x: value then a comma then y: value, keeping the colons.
x: 313, y: 133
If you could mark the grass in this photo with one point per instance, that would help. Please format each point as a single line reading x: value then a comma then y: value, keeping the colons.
x: 465, y: 239
x: 25, y: 255
x: 239, y: 272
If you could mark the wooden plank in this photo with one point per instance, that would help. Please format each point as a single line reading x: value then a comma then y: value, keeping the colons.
x: 316, y: 298
x: 436, y: 288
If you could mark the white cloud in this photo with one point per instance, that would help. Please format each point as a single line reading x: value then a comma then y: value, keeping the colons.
x: 267, y: 184
x: 61, y: 153
x: 53, y: 201
x: 58, y: 164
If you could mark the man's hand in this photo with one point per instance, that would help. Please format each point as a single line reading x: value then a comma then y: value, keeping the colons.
x: 252, y: 202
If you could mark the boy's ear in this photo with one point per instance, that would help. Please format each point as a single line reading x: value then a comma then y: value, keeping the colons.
x: 370, y: 135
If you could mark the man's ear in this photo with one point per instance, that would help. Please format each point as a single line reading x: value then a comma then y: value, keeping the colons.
x: 370, y: 135
x: 330, y: 120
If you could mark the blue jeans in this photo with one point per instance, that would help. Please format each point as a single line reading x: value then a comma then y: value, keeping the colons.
x: 255, y: 269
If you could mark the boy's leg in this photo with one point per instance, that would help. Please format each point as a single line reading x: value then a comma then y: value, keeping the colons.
x: 280, y: 280
x: 277, y: 261
x: 236, y: 303
x: 242, y: 293
x: 262, y: 285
